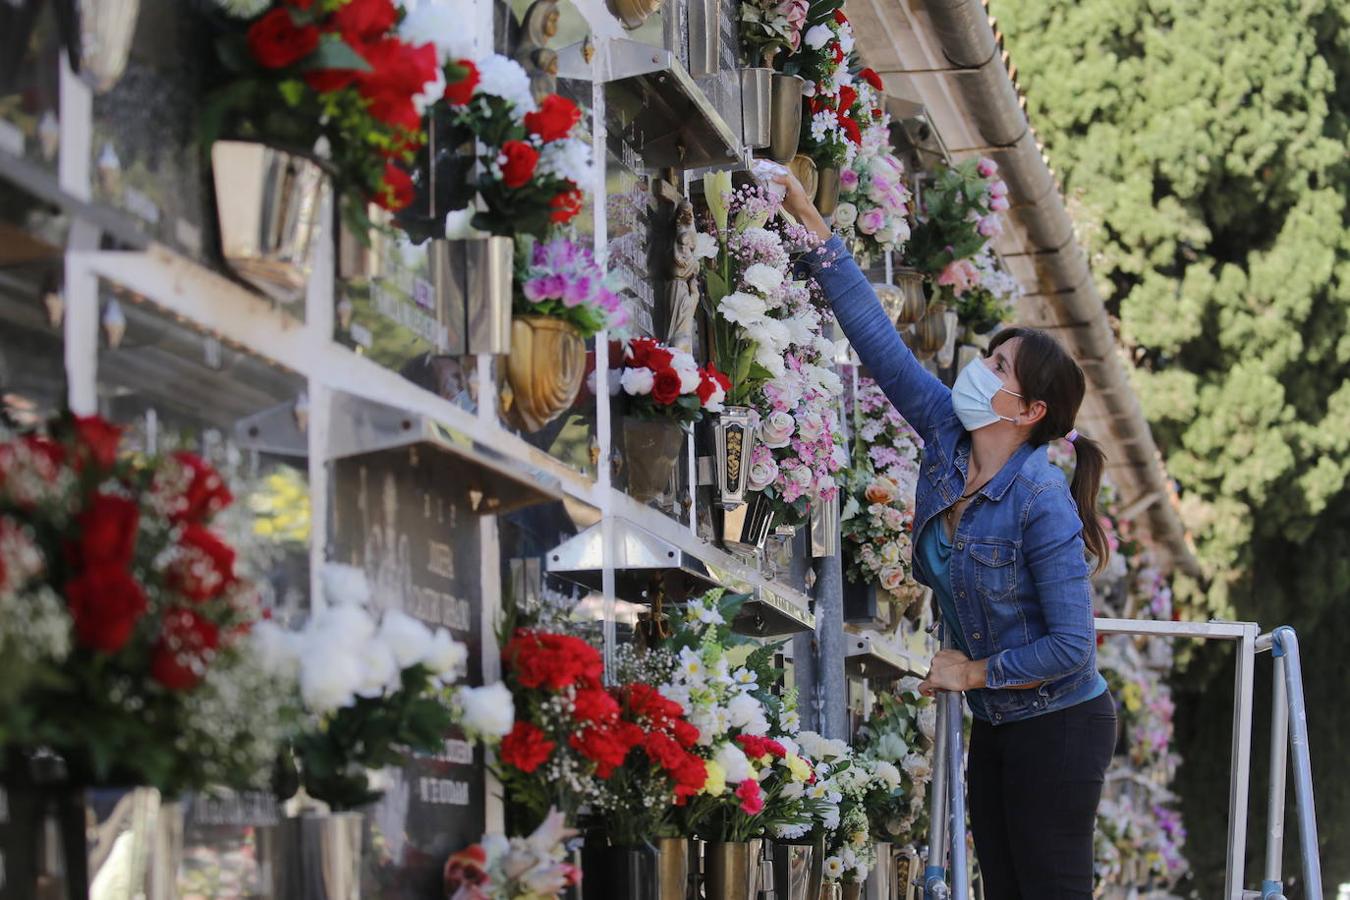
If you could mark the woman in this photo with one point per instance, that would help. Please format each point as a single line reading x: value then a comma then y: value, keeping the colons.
x: 1001, y: 538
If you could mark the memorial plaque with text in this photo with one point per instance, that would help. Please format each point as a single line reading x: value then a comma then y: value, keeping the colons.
x: 395, y: 517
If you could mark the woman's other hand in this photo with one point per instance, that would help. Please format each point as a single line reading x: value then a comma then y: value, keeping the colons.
x: 799, y: 206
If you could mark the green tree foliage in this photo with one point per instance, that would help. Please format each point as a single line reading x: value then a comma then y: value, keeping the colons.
x: 1204, y: 144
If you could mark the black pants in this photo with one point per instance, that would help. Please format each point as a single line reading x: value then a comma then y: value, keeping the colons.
x: 1034, y: 787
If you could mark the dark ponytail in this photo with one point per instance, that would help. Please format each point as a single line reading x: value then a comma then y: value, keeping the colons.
x: 1047, y: 372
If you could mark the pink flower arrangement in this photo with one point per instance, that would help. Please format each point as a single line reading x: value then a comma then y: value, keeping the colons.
x: 563, y: 280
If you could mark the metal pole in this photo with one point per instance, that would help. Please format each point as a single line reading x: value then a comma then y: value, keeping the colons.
x: 1240, y: 774
x: 935, y: 875
x: 1271, y: 889
x: 1287, y: 642
x: 957, y: 785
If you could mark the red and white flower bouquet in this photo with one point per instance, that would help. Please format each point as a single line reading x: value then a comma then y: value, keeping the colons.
x: 665, y: 383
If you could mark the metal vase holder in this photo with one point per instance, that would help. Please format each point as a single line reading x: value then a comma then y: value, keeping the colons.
x: 731, y: 870
x: 267, y: 206
x: 882, y: 876
x: 313, y: 857
x: 796, y: 874
x: 824, y: 525
x: 787, y: 117
x: 472, y: 280
x: 734, y: 439
x: 757, y: 107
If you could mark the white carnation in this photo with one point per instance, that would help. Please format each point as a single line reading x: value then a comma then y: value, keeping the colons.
x: 762, y: 278
x: 446, y: 656
x: 408, y: 638
x: 440, y: 24
x: 381, y: 670
x: 742, y: 309
x: 734, y: 762
x: 747, y: 714
x: 886, y: 773
x: 329, y: 681
x: 505, y: 78
x: 488, y: 711
x: 345, y: 585
x: 569, y: 159
x: 705, y: 246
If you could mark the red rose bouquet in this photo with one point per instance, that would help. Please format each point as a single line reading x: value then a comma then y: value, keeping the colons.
x: 303, y: 71
x: 534, y: 158
x: 664, y: 383
x: 125, y: 632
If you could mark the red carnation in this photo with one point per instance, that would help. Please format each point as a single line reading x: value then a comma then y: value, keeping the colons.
x: 526, y: 747
x: 840, y: 18
x: 105, y: 604
x: 205, y: 493
x: 594, y: 705
x: 554, y: 120
x: 690, y: 777
x: 362, y: 21
x: 645, y: 353
x: 565, y: 206
x: 100, y: 438
x: 751, y: 797
x: 519, y: 163
x: 607, y: 745
x: 552, y: 661
x: 276, y: 42
x: 396, y: 189
x: 184, y: 649
x: 870, y: 76
x: 847, y: 97
x: 837, y: 52
x: 205, y: 566
x: 107, y: 531
x: 325, y: 81
x: 851, y: 129
x: 460, y: 92
x: 686, y: 733
x: 666, y: 387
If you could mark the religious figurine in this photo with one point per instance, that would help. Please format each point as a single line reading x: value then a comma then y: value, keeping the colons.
x: 682, y: 290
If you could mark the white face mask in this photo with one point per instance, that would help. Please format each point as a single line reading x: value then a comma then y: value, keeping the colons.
x: 973, y: 396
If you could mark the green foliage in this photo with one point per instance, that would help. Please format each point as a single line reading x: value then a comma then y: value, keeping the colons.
x: 1205, y: 141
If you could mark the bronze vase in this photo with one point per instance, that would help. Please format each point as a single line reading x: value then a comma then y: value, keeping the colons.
x: 545, y: 370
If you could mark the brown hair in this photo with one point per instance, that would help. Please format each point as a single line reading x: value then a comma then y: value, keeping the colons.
x: 1048, y: 373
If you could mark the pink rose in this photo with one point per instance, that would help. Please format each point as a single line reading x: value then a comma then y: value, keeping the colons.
x: 871, y: 221
x: 987, y: 167
x: 998, y: 204
x: 990, y: 226
x: 998, y: 188
x: 960, y: 275
x: 848, y: 179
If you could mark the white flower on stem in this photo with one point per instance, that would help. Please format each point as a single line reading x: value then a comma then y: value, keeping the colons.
x: 734, y: 762
x: 762, y: 278
x: 382, y: 672
x: 834, y: 867
x: 505, y: 78
x: 637, y: 381
x: 446, y: 657
x: 329, y: 681
x: 691, y: 665
x: 408, y: 638
x: 763, y: 472
x: 705, y: 246
x: 845, y: 214
x: 488, y: 711
x: 741, y: 308
x: 747, y: 714
x: 791, y: 722
x: 440, y: 24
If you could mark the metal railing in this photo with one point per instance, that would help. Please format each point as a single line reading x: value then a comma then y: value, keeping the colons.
x: 1289, y: 732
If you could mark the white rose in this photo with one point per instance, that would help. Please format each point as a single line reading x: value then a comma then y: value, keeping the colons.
x: 705, y: 246
x: 845, y: 214
x: 488, y: 710
x: 892, y: 577
x: 734, y: 762
x: 763, y: 472
x: 818, y: 36
x: 637, y: 381
x: 446, y: 656
x: 687, y: 369
x: 801, y: 476
x: 762, y: 278
x: 408, y: 638
x: 776, y: 429
x: 328, y: 681
x: 747, y: 714
x: 742, y: 309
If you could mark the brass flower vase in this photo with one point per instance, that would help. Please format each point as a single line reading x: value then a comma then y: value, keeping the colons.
x: 757, y: 107
x: 786, y: 129
x: 827, y: 190
x: 731, y: 870
x: 544, y: 371
x: 930, y: 332
x: 913, y: 302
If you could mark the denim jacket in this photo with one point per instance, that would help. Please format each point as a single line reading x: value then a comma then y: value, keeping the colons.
x: 1019, y: 573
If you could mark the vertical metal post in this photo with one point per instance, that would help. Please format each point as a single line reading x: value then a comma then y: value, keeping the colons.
x: 829, y: 594
x: 1279, y: 763
x: 1240, y: 761
x: 1287, y: 641
x: 935, y: 875
x: 957, y: 786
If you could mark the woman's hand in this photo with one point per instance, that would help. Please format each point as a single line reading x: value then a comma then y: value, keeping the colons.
x: 799, y: 206
x: 952, y: 670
